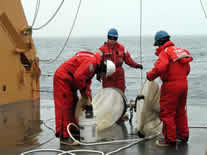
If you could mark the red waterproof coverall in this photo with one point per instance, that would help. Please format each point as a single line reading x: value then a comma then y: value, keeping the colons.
x: 118, y: 55
x: 76, y: 73
x: 173, y: 67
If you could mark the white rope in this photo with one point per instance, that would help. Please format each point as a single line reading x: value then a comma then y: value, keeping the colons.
x: 44, y: 150
x: 122, y: 148
x: 71, y: 152
x: 84, y: 150
x: 129, y: 145
x: 77, y: 142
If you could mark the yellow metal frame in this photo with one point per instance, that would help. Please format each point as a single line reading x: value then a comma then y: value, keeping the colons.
x: 19, y: 74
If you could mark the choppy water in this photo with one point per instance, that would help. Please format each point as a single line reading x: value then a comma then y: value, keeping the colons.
x: 48, y: 48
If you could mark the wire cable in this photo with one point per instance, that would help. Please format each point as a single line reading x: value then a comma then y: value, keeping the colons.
x: 50, y: 19
x: 203, y: 8
x: 61, y: 51
x: 140, y: 39
x: 36, y: 12
x: 198, y: 127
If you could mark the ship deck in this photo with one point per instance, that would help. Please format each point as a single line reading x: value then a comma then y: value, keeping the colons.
x: 195, y: 146
x: 46, y: 140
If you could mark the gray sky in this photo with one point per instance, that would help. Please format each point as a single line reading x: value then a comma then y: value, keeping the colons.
x: 97, y: 16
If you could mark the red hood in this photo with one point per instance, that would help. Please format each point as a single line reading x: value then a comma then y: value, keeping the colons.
x: 167, y: 44
x: 186, y: 60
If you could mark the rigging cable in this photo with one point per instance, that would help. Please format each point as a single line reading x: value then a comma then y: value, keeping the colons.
x: 73, y: 24
x: 140, y: 40
x: 203, y: 8
x: 36, y: 12
x: 50, y: 19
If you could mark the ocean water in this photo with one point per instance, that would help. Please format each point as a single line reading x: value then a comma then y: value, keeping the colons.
x: 48, y: 48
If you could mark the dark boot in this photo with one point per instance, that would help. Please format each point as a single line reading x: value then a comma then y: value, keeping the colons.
x: 67, y: 141
x: 162, y: 143
x: 182, y: 140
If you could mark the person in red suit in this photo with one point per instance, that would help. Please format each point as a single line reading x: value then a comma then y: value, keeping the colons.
x: 173, y: 67
x: 114, y: 51
x: 75, y: 74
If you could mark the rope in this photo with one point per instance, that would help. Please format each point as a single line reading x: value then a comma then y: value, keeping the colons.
x: 84, y: 150
x: 203, y: 8
x: 133, y: 143
x: 74, y: 21
x: 61, y: 152
x: 50, y: 19
x: 77, y: 142
x: 42, y: 150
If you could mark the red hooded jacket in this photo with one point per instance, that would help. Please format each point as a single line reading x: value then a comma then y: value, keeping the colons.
x: 118, y: 55
x: 79, y: 70
x: 172, y: 64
